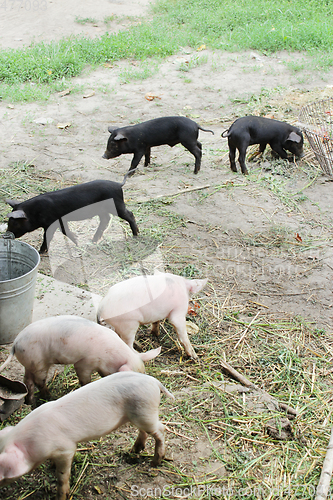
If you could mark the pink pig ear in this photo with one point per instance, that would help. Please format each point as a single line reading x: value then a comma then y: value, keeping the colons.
x: 5, y: 430
x: 13, y: 463
x: 195, y: 286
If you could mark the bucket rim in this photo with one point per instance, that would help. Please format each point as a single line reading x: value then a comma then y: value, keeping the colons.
x: 23, y: 244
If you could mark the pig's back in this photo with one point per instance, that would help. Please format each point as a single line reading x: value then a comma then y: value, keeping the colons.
x: 145, y: 294
x: 91, y: 411
x: 62, y: 339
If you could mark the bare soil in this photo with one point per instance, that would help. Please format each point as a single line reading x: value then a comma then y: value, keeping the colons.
x: 256, y: 247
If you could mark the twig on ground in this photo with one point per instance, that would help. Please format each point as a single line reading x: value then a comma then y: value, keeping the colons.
x: 178, y: 434
x: 326, y: 473
x: 182, y: 191
x: 247, y: 383
x: 246, y: 330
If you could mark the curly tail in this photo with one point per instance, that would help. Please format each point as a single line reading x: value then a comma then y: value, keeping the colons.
x: 8, y: 360
x: 225, y: 132
x: 165, y: 390
x: 205, y: 130
x: 130, y: 172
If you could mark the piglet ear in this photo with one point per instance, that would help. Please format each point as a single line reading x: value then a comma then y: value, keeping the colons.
x: 120, y: 137
x: 294, y: 137
x: 111, y: 129
x: 13, y: 463
x: 17, y: 214
x: 195, y: 286
x: 12, y: 203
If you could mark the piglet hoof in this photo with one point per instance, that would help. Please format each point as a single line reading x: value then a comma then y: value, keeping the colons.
x: 155, y: 329
x: 29, y: 400
x: 137, y: 447
x: 245, y: 171
x: 44, y: 394
x: 192, y: 354
x: 156, y: 461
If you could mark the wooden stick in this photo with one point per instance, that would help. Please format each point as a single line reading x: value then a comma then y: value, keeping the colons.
x: 326, y: 473
x: 178, y: 434
x: 288, y: 409
x: 246, y: 330
x: 236, y: 375
x: 247, y: 383
x: 187, y: 190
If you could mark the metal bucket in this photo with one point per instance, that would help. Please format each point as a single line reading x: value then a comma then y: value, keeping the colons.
x: 18, y: 272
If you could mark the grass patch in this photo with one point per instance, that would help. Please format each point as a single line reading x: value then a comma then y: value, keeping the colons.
x: 85, y: 20
x: 263, y: 25
x: 194, y: 62
x: 141, y: 71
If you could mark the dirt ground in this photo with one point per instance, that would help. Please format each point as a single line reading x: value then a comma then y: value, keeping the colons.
x: 236, y: 231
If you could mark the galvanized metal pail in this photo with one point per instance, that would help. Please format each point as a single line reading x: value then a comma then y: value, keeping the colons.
x: 18, y: 272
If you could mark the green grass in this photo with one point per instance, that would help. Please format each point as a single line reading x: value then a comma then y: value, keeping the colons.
x: 85, y: 20
x: 264, y: 25
x: 142, y: 71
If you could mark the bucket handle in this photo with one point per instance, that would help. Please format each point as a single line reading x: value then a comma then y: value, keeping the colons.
x: 9, y: 236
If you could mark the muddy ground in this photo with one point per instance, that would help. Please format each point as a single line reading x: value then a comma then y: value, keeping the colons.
x: 264, y: 241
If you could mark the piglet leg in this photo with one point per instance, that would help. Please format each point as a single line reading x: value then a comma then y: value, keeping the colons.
x: 63, y: 469
x: 158, y: 435
x: 38, y: 378
x: 241, y: 159
x: 147, y: 157
x: 159, y: 445
x: 29, y: 382
x: 104, y: 220
x: 178, y: 321
x: 195, y: 149
x: 140, y: 442
x: 83, y: 371
x: 155, y: 329
x: 135, y: 161
x: 232, y: 155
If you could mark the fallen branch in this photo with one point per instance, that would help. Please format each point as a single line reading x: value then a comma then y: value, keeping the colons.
x: 326, y: 473
x: 247, y: 383
x: 183, y: 191
x: 236, y: 375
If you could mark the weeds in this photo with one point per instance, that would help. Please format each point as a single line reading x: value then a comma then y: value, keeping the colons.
x: 193, y: 63
x: 141, y: 71
x: 267, y: 26
x: 85, y: 20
